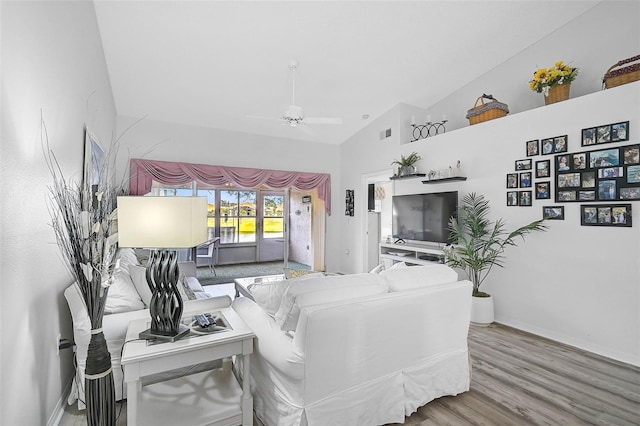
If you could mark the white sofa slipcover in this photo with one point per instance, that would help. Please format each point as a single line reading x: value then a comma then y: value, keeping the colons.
x: 365, y: 361
x: 114, y: 327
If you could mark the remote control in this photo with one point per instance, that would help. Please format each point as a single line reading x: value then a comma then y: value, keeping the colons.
x: 202, y: 320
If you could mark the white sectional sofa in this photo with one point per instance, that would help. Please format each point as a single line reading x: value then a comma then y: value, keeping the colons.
x: 128, y: 299
x: 363, y: 349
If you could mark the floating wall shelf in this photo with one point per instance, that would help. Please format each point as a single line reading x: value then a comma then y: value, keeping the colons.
x: 447, y: 179
x: 417, y: 175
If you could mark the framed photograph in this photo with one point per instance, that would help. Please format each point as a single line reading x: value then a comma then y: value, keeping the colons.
x: 566, y: 196
x: 604, y: 158
x: 603, y: 134
x: 547, y: 146
x: 543, y: 190
x: 523, y: 164
x: 606, y: 215
x: 631, y: 154
x: 533, y: 148
x: 563, y: 163
x: 588, y: 179
x: 543, y: 168
x: 587, y: 195
x: 525, y: 198
x: 560, y: 144
x: 630, y: 193
x: 620, y: 131
x: 610, y: 172
x: 569, y: 180
x: 607, y: 190
x: 589, y: 136
x: 512, y: 198
x: 512, y: 180
x: 633, y: 174
x: 525, y: 180
x: 553, y: 212
x: 94, y: 162
x: 579, y: 161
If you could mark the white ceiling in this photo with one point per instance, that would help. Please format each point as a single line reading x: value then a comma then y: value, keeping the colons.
x: 212, y: 63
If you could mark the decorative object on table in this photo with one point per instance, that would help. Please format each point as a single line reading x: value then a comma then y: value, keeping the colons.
x: 84, y: 221
x: 554, y: 82
x: 606, y: 215
x: 616, y: 76
x: 480, y: 247
x: 349, y: 202
x: 606, y: 133
x: 406, y: 165
x: 553, y: 212
x: 163, y: 223
x: 430, y: 128
x: 484, y: 111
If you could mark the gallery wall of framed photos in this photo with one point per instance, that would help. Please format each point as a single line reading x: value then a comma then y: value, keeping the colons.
x: 607, y: 174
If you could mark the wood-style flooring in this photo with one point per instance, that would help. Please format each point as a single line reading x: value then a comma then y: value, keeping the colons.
x: 521, y: 379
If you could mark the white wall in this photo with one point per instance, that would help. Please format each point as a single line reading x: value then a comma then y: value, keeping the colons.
x: 173, y: 142
x: 52, y: 62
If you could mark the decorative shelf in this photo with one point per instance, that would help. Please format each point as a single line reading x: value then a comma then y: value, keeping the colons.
x: 416, y: 175
x: 447, y: 179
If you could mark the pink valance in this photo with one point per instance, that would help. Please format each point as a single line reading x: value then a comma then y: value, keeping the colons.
x: 143, y: 172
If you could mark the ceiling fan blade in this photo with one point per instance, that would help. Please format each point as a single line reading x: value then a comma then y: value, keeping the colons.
x: 322, y: 120
x: 261, y: 117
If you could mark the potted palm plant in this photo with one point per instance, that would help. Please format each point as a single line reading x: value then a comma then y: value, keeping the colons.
x: 406, y: 165
x: 480, y: 246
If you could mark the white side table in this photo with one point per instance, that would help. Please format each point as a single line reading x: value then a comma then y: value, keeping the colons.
x: 209, y: 397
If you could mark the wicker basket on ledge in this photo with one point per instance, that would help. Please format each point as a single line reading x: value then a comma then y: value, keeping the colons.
x: 485, y: 111
x: 618, y: 76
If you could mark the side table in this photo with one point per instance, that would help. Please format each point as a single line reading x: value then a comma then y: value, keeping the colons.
x: 209, y: 397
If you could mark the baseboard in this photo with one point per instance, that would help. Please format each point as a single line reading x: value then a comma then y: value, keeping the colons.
x: 58, y: 411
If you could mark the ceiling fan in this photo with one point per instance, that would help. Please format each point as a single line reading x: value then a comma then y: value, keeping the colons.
x: 294, y: 115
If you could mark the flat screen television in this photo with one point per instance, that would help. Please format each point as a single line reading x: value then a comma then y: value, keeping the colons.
x: 424, y: 217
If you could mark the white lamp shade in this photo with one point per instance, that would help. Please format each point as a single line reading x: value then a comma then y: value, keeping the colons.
x: 162, y: 222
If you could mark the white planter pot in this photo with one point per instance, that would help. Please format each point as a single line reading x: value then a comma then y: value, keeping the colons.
x: 482, y: 310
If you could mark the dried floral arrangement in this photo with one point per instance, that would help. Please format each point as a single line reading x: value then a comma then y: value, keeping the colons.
x: 546, y: 78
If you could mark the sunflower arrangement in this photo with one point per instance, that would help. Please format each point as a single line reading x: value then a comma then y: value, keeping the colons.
x: 546, y: 78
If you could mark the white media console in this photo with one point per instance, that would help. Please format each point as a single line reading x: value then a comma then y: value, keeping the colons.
x: 413, y: 253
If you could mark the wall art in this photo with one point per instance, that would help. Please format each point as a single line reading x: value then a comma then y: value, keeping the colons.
x: 543, y: 191
x: 512, y: 180
x: 555, y: 145
x: 533, y: 148
x: 512, y: 198
x: 525, y: 180
x: 607, y: 133
x: 606, y: 215
x: 553, y: 212
x: 523, y: 164
x: 349, y: 203
x: 524, y: 198
x: 543, y: 168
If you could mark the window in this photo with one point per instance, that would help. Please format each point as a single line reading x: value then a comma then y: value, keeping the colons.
x: 273, y: 216
x: 237, y: 216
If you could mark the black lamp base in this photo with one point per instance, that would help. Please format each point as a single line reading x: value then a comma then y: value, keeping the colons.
x: 149, y: 335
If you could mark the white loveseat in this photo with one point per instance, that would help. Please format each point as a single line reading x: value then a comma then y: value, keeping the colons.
x: 362, y: 349
x: 127, y: 300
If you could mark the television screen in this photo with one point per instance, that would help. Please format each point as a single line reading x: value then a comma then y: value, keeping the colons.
x: 424, y: 217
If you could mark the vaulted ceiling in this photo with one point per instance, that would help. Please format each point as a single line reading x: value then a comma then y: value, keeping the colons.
x: 214, y: 63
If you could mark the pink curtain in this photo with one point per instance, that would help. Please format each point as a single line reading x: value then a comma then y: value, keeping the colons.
x: 143, y: 172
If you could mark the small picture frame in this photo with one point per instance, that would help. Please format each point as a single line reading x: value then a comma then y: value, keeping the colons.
x: 543, y: 168
x: 588, y: 179
x: 524, y: 164
x: 579, y: 161
x: 604, y: 158
x: 606, y: 215
x: 563, y: 163
x: 566, y: 196
x: 512, y: 198
x: 603, y: 134
x: 633, y: 174
x: 630, y: 193
x: 631, y: 154
x: 569, y: 180
x: 607, y: 190
x: 533, y: 148
x: 524, y: 198
x: 585, y: 195
x: 543, y: 191
x: 547, y: 146
x: 560, y: 144
x: 589, y: 136
x: 512, y: 180
x: 525, y: 180
x: 553, y: 212
x: 620, y: 131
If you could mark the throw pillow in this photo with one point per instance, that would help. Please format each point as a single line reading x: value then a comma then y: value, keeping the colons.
x: 138, y: 275
x: 122, y: 296
x: 334, y: 289
x: 416, y: 277
x: 268, y: 295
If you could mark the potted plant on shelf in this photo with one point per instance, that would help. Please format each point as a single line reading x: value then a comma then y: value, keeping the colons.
x: 480, y: 246
x: 554, y: 82
x: 406, y: 165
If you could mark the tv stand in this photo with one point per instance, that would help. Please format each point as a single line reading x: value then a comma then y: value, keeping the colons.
x: 412, y: 253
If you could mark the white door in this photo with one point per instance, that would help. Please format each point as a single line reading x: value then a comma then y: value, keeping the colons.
x: 271, y: 230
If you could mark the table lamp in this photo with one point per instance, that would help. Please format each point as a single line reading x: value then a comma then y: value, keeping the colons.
x: 163, y: 224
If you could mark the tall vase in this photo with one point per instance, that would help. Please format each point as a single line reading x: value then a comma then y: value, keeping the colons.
x: 557, y: 93
x: 99, y: 386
